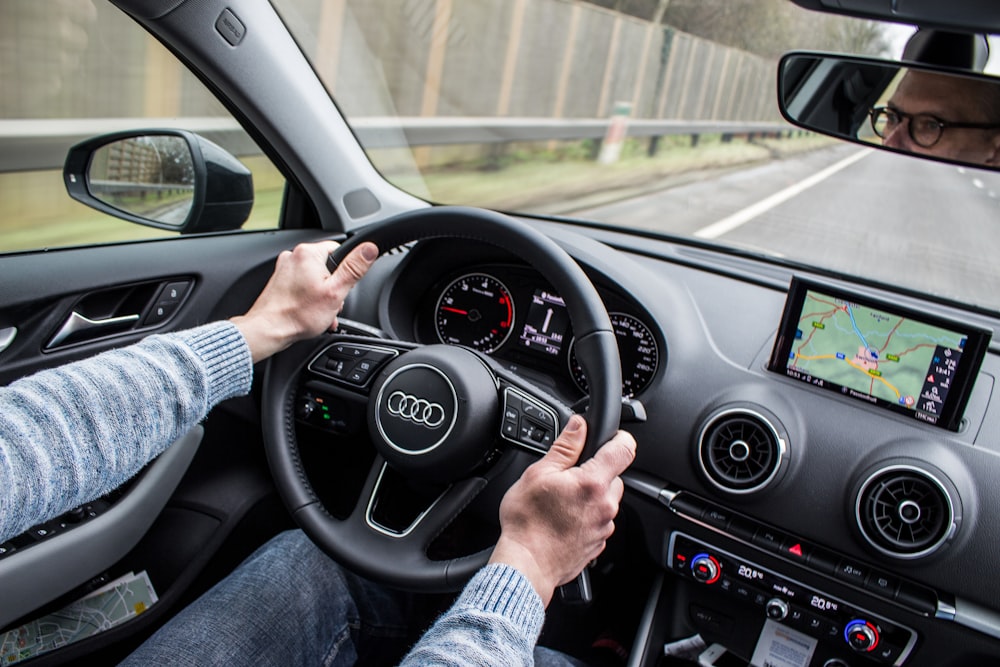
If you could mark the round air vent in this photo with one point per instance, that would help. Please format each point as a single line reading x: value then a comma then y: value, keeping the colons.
x: 904, y: 512
x: 740, y: 451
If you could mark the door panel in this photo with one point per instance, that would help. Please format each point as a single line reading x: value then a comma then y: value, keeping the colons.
x: 224, y: 478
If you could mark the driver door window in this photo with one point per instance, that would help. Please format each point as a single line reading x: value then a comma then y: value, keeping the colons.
x: 71, y: 70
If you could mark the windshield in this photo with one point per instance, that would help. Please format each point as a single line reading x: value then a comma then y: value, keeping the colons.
x: 653, y: 115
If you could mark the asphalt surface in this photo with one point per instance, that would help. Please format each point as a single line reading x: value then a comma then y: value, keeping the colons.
x: 931, y: 227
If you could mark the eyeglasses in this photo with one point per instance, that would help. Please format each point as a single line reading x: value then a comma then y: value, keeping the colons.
x: 924, y: 129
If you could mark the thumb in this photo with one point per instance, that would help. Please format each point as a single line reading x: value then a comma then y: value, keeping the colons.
x: 566, y: 449
x: 613, y: 457
x: 356, y: 264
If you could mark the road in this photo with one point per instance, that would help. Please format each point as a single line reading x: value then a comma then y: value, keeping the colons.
x: 927, y: 226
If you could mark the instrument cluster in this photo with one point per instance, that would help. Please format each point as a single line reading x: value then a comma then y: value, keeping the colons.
x: 512, y: 314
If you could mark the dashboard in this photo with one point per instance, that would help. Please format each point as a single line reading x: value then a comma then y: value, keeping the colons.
x: 767, y: 493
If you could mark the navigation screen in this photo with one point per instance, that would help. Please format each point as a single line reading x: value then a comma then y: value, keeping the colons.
x: 912, y: 363
x: 546, y: 323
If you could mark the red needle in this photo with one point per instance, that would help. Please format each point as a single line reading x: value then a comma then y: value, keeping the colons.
x: 455, y: 310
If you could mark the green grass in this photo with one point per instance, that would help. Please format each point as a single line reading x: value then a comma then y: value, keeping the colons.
x: 546, y: 180
x: 36, y: 212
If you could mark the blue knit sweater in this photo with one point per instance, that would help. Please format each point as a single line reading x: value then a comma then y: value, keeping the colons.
x: 74, y: 433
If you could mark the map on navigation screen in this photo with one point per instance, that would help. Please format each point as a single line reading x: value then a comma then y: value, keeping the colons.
x: 883, y: 356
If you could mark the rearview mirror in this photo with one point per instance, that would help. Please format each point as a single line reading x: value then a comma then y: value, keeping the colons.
x: 168, y: 179
x: 904, y: 107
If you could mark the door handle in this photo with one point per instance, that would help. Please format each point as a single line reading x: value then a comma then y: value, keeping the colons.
x: 7, y: 336
x: 77, y: 324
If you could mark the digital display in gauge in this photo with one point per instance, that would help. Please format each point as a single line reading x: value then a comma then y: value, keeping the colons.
x: 546, y: 323
x: 638, y: 351
x: 475, y: 310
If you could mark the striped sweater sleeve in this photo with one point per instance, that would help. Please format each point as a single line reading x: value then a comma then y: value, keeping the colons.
x: 73, y: 433
x: 495, y: 621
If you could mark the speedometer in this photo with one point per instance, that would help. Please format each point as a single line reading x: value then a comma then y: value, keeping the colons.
x: 638, y: 351
x: 476, y: 311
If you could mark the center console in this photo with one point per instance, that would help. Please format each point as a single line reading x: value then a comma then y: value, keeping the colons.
x: 778, y: 600
x: 797, y: 619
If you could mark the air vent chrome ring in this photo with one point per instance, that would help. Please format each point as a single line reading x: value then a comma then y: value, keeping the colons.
x: 740, y: 451
x: 904, y: 512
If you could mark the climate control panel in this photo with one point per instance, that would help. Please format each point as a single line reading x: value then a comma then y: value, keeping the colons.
x: 783, y: 600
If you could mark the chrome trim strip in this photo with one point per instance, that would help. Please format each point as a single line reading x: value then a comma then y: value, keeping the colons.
x: 977, y: 617
x: 640, y: 646
x: 7, y: 337
x: 379, y: 528
x: 77, y: 322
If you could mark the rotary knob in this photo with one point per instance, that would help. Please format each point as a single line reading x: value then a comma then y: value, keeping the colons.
x: 861, y: 636
x: 705, y: 569
x: 776, y: 609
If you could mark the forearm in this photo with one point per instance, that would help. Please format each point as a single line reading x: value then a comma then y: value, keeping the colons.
x: 74, y: 433
x: 495, y: 621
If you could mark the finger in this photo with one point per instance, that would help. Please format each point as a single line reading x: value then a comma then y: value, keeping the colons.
x: 565, y: 451
x: 613, y: 457
x: 356, y: 264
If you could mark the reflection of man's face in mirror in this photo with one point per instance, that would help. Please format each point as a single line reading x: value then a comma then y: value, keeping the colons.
x: 948, y: 99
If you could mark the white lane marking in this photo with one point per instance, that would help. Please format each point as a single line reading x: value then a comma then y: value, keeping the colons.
x: 740, y: 218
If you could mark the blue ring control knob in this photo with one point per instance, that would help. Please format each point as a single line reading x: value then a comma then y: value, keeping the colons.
x: 705, y: 569
x: 861, y: 636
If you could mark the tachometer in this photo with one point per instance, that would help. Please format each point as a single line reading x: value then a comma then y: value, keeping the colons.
x: 475, y: 310
x: 638, y: 350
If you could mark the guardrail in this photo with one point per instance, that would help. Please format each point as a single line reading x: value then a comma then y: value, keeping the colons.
x: 42, y: 144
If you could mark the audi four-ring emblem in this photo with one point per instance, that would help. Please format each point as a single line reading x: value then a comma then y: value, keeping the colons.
x: 415, y: 409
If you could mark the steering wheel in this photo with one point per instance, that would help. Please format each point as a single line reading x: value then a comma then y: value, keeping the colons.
x: 436, y: 413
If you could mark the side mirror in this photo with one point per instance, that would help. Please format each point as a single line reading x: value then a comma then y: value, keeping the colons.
x: 910, y: 108
x: 169, y: 179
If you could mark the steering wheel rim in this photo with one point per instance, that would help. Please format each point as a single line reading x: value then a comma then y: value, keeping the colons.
x: 356, y: 543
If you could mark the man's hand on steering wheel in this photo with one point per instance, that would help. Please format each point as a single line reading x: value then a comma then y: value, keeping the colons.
x: 556, y: 518
x: 302, y: 298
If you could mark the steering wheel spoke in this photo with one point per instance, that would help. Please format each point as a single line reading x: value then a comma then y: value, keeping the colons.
x: 414, y: 514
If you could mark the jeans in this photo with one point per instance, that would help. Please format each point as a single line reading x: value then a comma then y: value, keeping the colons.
x: 289, y: 604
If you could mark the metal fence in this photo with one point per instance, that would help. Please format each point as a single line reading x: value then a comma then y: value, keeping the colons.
x: 383, y: 58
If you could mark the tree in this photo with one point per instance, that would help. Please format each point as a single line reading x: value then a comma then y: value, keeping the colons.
x: 764, y: 27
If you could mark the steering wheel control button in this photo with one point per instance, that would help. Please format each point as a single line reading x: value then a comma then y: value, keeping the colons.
x: 527, y: 422
x: 353, y: 363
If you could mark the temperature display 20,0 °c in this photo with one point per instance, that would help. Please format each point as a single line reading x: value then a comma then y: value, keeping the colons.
x: 638, y: 350
x: 475, y: 310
